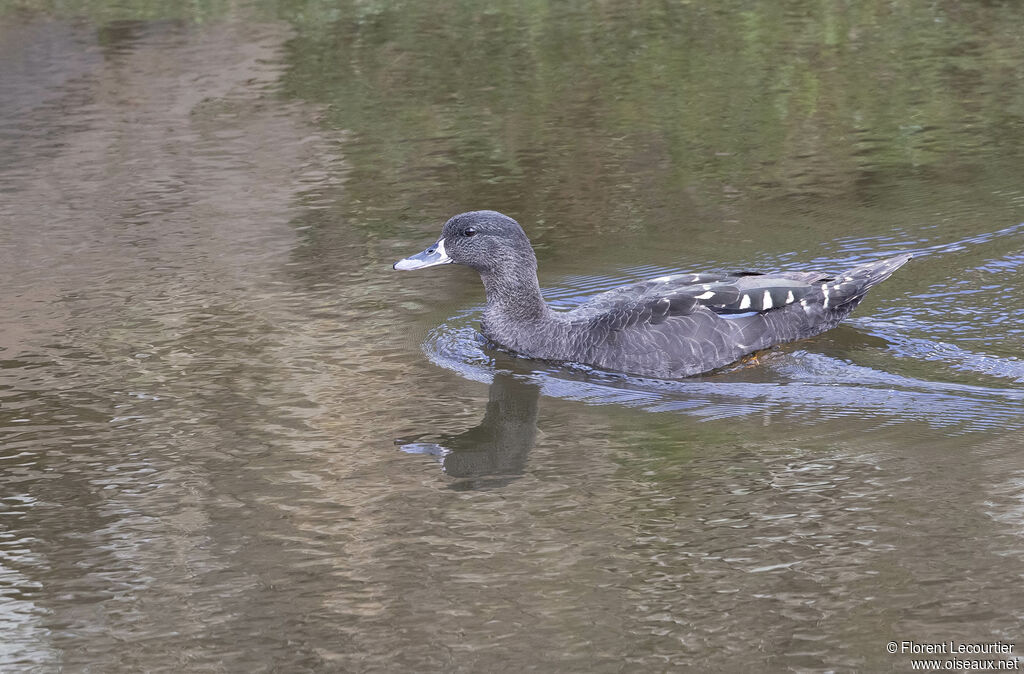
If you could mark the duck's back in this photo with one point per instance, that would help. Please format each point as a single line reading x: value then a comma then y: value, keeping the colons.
x: 685, y: 324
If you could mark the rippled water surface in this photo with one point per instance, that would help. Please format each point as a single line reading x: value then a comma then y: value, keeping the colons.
x: 233, y: 439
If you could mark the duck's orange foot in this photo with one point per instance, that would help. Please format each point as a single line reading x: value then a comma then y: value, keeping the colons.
x: 751, y: 360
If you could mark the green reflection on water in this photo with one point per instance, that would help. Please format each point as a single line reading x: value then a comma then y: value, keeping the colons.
x: 618, y: 115
x: 639, y: 107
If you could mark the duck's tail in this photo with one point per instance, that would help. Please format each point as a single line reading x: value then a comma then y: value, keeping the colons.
x: 847, y: 290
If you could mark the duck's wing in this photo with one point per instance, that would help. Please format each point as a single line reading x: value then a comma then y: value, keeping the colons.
x: 814, y: 291
x: 710, y: 322
x: 754, y: 293
x: 663, y: 332
x: 736, y: 293
x: 651, y: 302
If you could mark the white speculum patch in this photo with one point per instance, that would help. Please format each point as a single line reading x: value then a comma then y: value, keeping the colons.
x: 706, y: 296
x: 767, y: 300
x: 745, y: 302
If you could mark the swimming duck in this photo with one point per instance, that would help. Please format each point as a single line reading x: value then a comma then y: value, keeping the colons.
x: 668, y: 327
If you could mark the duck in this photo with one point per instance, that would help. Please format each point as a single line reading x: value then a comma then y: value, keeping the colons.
x: 670, y: 327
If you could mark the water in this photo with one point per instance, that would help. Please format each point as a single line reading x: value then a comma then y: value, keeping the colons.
x: 232, y: 439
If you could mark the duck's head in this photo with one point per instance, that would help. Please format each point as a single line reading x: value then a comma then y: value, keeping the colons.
x: 487, y: 241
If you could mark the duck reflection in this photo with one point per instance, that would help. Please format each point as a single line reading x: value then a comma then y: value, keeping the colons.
x: 495, y: 451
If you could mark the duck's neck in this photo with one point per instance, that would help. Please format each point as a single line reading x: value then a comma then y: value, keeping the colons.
x: 513, y: 297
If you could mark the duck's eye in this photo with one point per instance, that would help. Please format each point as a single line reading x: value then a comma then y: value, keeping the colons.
x: 469, y: 232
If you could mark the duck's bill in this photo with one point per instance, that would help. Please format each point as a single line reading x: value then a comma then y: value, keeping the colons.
x: 432, y: 256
